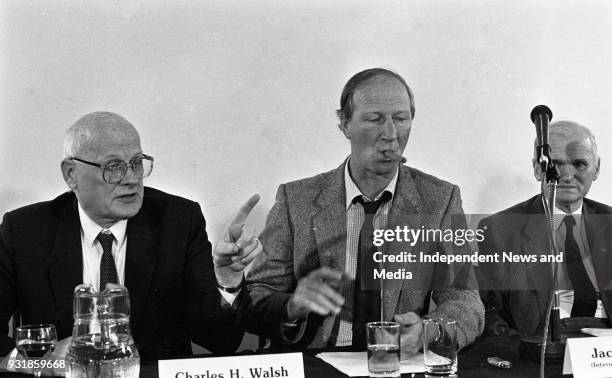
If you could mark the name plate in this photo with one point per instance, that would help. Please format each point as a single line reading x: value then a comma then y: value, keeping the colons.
x: 257, y: 366
x: 588, y: 357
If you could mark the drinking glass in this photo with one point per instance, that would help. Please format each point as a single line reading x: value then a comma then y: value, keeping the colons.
x: 440, y: 347
x: 383, y: 349
x: 36, y: 342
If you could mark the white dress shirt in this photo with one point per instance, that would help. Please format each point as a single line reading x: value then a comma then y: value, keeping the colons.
x: 354, y: 220
x: 92, y: 250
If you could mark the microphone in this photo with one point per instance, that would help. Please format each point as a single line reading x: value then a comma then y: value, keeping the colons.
x: 549, y: 346
x: 541, y: 116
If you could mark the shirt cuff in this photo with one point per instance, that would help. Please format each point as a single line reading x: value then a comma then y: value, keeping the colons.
x: 228, y: 298
x: 293, y: 332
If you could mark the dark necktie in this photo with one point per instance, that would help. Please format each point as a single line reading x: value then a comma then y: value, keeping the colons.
x: 585, y: 296
x: 367, y: 298
x: 108, y: 271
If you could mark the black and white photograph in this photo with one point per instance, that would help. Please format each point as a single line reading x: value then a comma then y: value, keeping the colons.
x: 397, y: 188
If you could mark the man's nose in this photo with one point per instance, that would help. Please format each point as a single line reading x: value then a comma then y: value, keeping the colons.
x: 566, y: 172
x: 389, y: 129
x: 131, y: 177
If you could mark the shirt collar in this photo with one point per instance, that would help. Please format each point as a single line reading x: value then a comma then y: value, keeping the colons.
x: 559, y: 215
x: 91, y: 229
x: 353, y: 191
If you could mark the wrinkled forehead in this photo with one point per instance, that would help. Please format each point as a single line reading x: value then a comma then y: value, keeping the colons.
x: 382, y: 89
x: 571, y: 144
x: 124, y: 141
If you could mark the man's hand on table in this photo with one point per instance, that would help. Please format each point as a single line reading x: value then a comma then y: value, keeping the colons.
x: 238, y: 248
x: 411, y: 337
x: 318, y: 292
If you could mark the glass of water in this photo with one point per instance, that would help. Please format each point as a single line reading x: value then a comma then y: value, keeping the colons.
x: 383, y: 349
x: 440, y: 347
x: 36, y: 342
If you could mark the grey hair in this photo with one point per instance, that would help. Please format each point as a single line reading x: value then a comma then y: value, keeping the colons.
x: 81, y: 135
x: 565, y: 127
x: 75, y: 138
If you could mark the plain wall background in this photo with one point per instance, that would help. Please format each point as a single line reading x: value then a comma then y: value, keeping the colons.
x: 236, y: 97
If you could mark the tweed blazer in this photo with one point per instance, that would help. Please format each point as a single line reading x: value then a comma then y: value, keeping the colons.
x: 306, y: 229
x: 516, y: 294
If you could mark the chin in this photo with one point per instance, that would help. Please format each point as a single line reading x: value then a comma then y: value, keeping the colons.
x: 568, y: 201
x: 385, y: 168
x: 569, y: 195
x: 128, y: 211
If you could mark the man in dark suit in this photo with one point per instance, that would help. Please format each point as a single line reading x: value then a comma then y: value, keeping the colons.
x: 306, y: 286
x: 110, y: 228
x: 519, y: 292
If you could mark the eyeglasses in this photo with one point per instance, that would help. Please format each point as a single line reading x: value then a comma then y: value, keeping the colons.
x: 115, y: 170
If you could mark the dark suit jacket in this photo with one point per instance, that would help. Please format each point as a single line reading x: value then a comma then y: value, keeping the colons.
x: 168, y: 273
x: 516, y: 294
x: 306, y: 229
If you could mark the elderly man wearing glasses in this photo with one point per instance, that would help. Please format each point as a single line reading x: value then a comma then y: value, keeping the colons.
x: 110, y: 228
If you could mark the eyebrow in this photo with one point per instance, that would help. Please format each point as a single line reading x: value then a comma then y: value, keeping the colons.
x: 117, y: 157
x: 381, y: 112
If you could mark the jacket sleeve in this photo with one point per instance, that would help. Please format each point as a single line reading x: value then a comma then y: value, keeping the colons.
x: 489, y: 276
x: 8, y: 297
x: 271, y: 279
x: 212, y: 322
x: 460, y: 301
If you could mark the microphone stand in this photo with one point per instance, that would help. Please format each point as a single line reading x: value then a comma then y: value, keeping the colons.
x: 554, y: 349
x: 551, y: 345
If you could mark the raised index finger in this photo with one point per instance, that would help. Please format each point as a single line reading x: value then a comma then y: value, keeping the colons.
x: 235, y: 227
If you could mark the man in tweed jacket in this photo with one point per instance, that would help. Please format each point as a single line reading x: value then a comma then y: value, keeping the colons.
x: 302, y: 286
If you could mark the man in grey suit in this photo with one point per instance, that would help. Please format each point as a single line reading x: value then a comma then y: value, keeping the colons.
x: 516, y: 295
x: 305, y: 287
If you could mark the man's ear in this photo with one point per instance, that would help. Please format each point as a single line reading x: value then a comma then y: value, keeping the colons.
x: 343, y: 126
x: 69, y: 172
x: 537, y: 170
x: 596, y: 173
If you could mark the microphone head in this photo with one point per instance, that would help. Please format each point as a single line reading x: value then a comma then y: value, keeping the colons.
x: 541, y: 110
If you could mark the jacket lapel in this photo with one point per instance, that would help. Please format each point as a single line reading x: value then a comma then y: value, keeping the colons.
x: 329, y: 227
x: 536, y: 242
x: 599, y: 236
x: 66, y: 265
x: 139, y: 263
x: 329, y: 222
x: 405, y: 210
